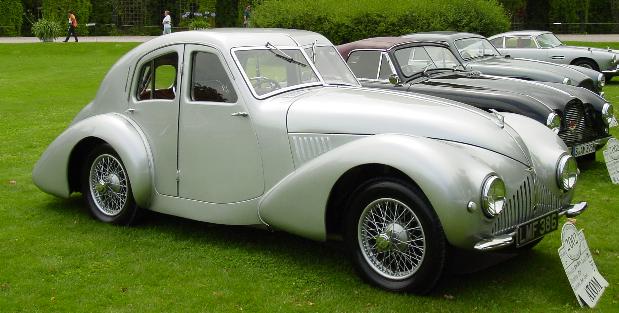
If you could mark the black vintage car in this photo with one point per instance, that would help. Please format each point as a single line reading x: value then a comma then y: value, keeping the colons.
x: 477, y: 53
x: 580, y: 117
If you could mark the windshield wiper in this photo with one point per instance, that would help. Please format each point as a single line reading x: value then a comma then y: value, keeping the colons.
x: 283, y: 55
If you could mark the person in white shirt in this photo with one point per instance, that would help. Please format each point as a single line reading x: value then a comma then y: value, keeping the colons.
x: 167, y: 23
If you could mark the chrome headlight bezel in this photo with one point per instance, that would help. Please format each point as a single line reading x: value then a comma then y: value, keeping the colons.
x: 567, y: 172
x: 601, y: 80
x: 493, y: 196
x: 607, y: 113
x: 553, y: 121
x: 567, y: 81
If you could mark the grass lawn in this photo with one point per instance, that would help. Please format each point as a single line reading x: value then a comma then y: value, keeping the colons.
x: 55, y: 258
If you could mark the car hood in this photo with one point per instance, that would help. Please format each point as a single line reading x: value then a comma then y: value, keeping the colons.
x: 524, y: 68
x: 508, y: 94
x: 367, y: 111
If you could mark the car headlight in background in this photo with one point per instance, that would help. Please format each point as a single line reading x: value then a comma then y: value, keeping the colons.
x: 567, y: 172
x: 567, y: 81
x: 554, y: 122
x: 492, y: 196
x: 601, y: 80
x: 607, y: 113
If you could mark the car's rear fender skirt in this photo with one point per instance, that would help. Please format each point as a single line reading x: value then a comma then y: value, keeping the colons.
x: 448, y: 177
x: 52, y: 172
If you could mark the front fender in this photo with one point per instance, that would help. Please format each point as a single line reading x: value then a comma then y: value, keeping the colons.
x: 51, y: 172
x: 448, y: 176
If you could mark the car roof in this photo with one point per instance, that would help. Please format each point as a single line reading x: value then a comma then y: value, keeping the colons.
x: 228, y: 38
x: 521, y: 33
x: 441, y: 36
x: 381, y: 43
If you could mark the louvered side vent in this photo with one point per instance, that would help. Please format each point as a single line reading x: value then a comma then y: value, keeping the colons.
x: 307, y: 147
x: 529, y: 201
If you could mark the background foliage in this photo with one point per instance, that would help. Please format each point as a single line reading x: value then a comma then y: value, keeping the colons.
x: 349, y: 20
x: 47, y: 30
x: 56, y: 10
x: 11, y: 21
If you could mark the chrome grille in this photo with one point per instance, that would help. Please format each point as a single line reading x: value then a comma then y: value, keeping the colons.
x: 577, y: 125
x: 530, y: 200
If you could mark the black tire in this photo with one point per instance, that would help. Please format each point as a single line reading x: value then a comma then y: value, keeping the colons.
x: 608, y: 77
x: 111, y: 200
x: 396, y: 238
x: 587, y: 64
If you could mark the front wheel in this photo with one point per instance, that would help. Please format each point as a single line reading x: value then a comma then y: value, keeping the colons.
x: 395, y: 239
x: 106, y: 187
x: 590, y: 64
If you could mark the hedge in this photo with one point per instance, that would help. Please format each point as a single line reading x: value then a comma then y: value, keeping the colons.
x: 10, y: 24
x: 56, y: 10
x: 349, y: 20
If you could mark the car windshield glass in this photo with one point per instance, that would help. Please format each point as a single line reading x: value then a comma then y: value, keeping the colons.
x: 413, y: 60
x: 548, y: 40
x: 270, y: 69
x: 472, y: 48
x: 331, y: 66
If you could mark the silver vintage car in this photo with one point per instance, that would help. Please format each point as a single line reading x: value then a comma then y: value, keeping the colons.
x: 545, y: 46
x: 269, y: 128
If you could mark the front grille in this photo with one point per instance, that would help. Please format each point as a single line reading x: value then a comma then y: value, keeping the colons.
x: 531, y: 199
x: 578, y: 124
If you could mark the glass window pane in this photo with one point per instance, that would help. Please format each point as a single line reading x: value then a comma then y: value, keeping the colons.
x: 209, y: 80
x: 364, y: 63
x: 413, y: 60
x: 385, y: 68
x: 497, y: 42
x: 163, y: 70
x: 442, y: 57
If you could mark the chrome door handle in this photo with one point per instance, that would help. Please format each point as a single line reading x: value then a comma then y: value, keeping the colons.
x: 242, y: 114
x: 130, y: 111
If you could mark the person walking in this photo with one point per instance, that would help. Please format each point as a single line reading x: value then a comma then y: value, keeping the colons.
x: 72, y: 27
x: 167, y: 23
x: 246, y: 15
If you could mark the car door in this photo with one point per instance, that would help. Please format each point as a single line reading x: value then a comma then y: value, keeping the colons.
x: 218, y: 154
x: 154, y: 105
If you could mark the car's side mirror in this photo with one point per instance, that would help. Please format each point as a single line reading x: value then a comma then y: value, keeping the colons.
x: 507, y: 56
x: 395, y: 80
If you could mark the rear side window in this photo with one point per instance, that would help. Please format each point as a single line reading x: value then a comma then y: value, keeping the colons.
x: 209, y: 80
x: 520, y: 42
x: 158, y: 78
x: 364, y: 63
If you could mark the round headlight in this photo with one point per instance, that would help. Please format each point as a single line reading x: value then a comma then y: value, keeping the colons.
x: 493, y: 196
x: 607, y: 113
x: 567, y: 172
x: 554, y: 122
x: 567, y: 81
x: 601, y: 80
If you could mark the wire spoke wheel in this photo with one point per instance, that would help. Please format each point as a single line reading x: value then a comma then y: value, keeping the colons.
x: 108, y: 184
x: 391, y: 238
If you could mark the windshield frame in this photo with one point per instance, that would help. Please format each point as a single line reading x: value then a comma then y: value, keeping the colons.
x: 497, y: 53
x: 320, y: 82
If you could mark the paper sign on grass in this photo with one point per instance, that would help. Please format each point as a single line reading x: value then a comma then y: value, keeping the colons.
x: 611, y: 157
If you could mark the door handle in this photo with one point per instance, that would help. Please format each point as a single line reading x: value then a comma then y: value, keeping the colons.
x: 130, y: 111
x: 242, y: 114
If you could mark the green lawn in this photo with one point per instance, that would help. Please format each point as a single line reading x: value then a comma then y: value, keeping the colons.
x: 55, y: 258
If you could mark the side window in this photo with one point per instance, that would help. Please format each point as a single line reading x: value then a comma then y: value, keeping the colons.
x: 497, y: 42
x: 519, y: 42
x: 209, y: 80
x: 157, y: 79
x: 385, y: 68
x: 364, y: 63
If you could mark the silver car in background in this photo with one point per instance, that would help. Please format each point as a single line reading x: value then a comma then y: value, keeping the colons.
x: 545, y: 46
x: 270, y: 128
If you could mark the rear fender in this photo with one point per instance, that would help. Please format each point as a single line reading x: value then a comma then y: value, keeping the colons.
x: 51, y: 172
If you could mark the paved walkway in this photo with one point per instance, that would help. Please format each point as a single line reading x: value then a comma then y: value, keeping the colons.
x: 81, y: 39
x: 589, y: 38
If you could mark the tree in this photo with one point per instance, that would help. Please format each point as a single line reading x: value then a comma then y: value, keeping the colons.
x: 227, y: 13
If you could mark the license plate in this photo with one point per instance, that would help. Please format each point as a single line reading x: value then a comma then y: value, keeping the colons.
x: 537, y: 228
x: 583, y: 149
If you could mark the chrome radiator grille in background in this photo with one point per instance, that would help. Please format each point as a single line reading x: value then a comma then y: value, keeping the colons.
x: 529, y: 201
x: 578, y: 126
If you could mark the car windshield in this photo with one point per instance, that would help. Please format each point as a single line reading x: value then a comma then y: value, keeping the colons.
x: 548, y: 40
x: 472, y: 48
x: 331, y: 66
x: 413, y: 60
x: 269, y: 69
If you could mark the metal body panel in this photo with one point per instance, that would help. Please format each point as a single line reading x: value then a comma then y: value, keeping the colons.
x: 50, y: 173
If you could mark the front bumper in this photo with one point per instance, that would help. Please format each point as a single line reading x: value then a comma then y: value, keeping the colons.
x: 613, y: 71
x: 507, y: 240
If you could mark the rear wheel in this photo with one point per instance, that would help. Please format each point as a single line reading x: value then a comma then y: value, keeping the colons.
x: 106, y: 187
x: 394, y: 237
